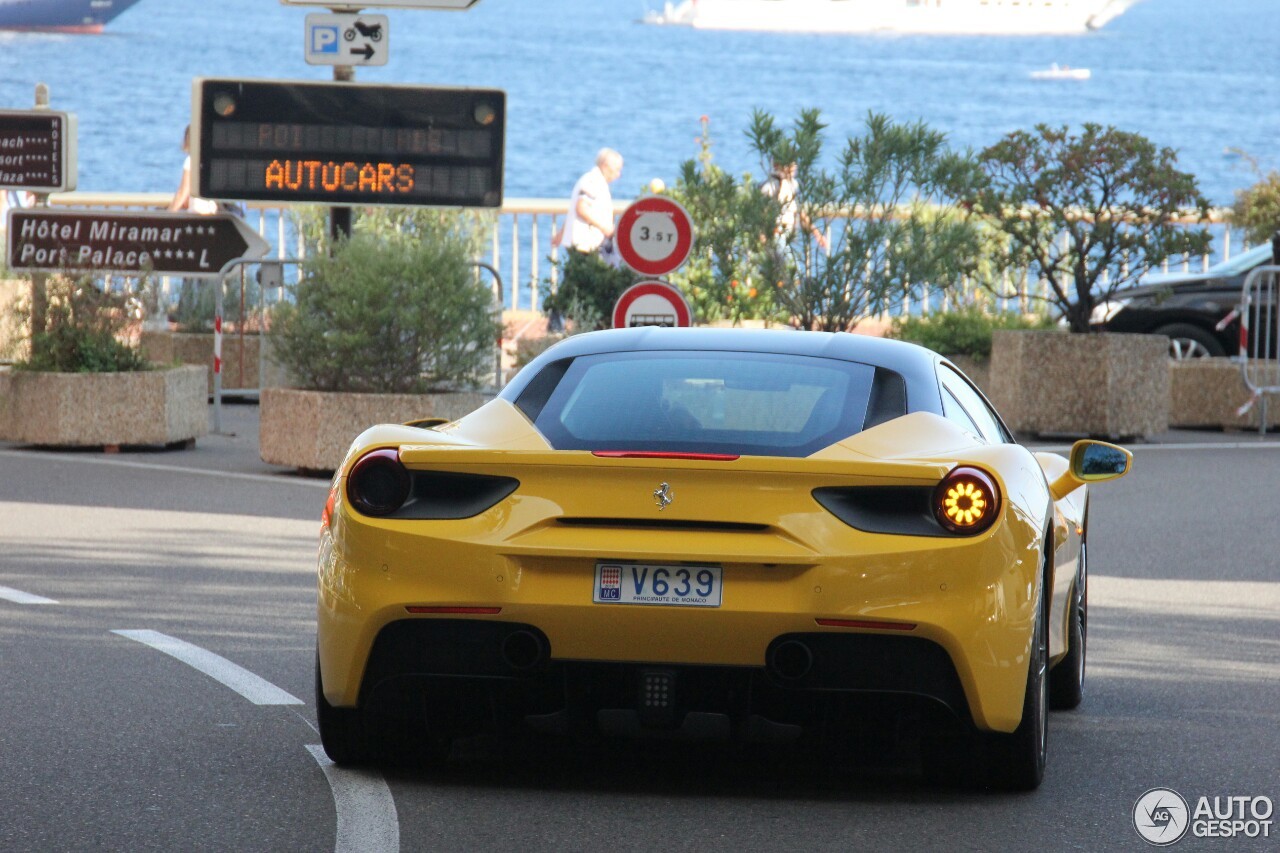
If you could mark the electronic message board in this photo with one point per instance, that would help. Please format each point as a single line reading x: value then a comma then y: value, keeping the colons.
x: 347, y: 143
x: 37, y: 151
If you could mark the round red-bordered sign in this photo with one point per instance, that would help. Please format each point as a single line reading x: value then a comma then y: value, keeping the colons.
x: 651, y: 303
x: 654, y: 235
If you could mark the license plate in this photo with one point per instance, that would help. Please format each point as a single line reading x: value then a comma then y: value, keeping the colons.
x: 644, y: 583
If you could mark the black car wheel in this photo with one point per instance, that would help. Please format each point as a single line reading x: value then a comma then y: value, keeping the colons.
x: 1066, y: 681
x: 1187, y: 341
x: 1016, y: 761
x: 341, y: 729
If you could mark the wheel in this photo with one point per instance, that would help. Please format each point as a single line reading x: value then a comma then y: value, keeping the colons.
x: 341, y: 729
x: 349, y: 35
x: 1187, y: 341
x: 1015, y: 762
x: 1066, y: 681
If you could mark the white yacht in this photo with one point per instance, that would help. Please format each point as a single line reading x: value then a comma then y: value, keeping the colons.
x: 940, y: 17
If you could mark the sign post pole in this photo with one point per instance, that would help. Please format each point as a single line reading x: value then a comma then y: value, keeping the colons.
x: 40, y: 281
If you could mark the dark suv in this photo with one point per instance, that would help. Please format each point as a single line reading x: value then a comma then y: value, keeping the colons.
x: 1191, y: 309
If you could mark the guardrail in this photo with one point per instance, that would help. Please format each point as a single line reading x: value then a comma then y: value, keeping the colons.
x: 1260, y: 338
x: 520, y: 244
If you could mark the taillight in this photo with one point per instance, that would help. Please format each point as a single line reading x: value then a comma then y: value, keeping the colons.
x: 967, y: 501
x: 378, y: 484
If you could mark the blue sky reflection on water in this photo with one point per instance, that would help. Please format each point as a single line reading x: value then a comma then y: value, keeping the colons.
x: 1195, y: 75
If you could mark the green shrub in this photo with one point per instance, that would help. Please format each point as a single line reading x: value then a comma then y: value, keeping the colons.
x: 1257, y: 209
x: 390, y: 311
x: 83, y: 332
x: 965, y: 331
x: 588, y: 290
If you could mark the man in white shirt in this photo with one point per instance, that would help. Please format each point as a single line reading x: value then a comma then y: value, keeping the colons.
x: 590, y: 219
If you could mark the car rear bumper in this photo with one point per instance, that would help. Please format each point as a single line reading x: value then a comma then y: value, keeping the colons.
x: 472, y: 675
x: 970, y: 602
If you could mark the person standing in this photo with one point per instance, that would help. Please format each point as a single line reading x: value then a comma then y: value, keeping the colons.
x: 588, y: 226
x: 783, y: 186
x: 183, y: 199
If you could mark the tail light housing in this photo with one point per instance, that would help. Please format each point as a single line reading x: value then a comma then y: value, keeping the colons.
x: 967, y: 501
x: 379, y: 484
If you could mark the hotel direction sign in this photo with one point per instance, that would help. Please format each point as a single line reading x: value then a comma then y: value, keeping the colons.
x: 37, y: 151
x: 90, y: 241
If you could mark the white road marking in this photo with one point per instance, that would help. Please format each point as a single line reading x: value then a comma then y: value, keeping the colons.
x: 367, y: 819
x: 257, y: 690
x: 284, y: 478
x: 17, y: 596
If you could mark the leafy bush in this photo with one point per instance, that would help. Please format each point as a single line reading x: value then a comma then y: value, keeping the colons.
x: 733, y: 269
x: 1257, y: 209
x: 1089, y: 212
x: 965, y: 331
x: 83, y: 331
x: 890, y: 209
x: 391, y: 311
x: 588, y: 290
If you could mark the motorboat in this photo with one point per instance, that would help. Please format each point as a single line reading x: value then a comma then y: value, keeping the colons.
x: 1061, y: 72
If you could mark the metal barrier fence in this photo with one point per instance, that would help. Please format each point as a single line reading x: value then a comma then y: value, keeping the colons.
x: 1260, y: 338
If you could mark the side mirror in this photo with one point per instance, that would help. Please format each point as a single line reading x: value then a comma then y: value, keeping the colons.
x: 1091, y: 462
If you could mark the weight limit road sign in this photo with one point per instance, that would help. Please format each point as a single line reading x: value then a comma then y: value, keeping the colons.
x: 80, y: 241
x: 654, y: 235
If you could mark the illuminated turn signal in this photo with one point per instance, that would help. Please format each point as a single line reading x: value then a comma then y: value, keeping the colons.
x: 967, y: 501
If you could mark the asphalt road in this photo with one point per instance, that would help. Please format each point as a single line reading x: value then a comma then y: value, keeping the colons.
x: 142, y: 740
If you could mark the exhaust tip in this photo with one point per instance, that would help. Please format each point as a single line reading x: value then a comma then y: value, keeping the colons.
x: 523, y: 650
x: 790, y: 660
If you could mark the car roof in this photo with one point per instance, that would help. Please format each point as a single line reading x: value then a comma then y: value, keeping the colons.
x: 913, y: 362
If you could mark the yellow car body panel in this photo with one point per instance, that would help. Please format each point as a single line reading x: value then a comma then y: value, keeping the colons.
x: 786, y: 560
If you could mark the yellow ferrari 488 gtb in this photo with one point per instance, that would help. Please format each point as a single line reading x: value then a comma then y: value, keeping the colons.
x: 716, y: 534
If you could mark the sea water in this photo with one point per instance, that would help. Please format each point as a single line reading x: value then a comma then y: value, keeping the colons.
x: 1200, y: 76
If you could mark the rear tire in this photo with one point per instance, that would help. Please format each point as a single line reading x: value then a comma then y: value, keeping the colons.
x: 1066, y: 681
x: 341, y: 729
x: 1015, y: 762
x: 1189, y: 342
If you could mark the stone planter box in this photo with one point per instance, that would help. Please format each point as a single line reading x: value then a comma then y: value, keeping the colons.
x: 1052, y: 382
x: 312, y: 430
x: 152, y: 408
x: 197, y: 348
x: 1207, y: 392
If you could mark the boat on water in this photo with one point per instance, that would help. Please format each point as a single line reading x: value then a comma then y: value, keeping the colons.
x: 62, y: 16
x: 1061, y: 72
x: 929, y: 17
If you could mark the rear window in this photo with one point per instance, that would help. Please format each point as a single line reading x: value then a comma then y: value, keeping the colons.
x: 702, y: 402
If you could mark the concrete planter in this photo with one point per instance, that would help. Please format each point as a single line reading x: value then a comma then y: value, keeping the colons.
x: 241, y: 357
x: 1207, y: 392
x: 312, y: 430
x: 1051, y: 382
x: 152, y: 407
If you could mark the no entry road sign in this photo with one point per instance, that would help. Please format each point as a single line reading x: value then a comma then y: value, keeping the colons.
x: 90, y: 241
x: 651, y: 303
x: 654, y: 235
